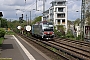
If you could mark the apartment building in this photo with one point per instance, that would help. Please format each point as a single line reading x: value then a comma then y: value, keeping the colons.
x: 57, y: 13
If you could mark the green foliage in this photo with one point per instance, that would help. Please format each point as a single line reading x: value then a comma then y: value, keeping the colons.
x: 10, y: 33
x: 21, y: 21
x: 59, y: 33
x: 69, y: 34
x: 3, y: 22
x: 37, y: 19
x: 88, y: 17
x: 2, y: 32
x: 60, y: 27
x: 77, y: 21
x: 61, y: 30
x: 1, y: 41
x: 5, y: 58
x: 15, y: 23
x: 69, y: 23
x: 79, y: 37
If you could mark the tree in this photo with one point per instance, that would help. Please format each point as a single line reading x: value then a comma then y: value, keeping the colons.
x: 2, y: 32
x: 60, y: 30
x: 3, y: 23
x: 37, y: 19
x: 88, y: 17
x: 77, y: 21
x: 88, y: 12
x: 69, y: 34
x: 69, y: 23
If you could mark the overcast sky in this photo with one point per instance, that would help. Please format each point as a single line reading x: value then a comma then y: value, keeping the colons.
x: 8, y: 7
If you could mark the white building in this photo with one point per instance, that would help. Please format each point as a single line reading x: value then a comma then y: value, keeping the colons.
x: 57, y: 13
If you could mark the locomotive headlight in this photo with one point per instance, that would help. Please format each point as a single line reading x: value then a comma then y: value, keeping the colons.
x: 45, y: 33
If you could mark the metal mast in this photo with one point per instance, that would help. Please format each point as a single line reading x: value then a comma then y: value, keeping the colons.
x: 82, y: 18
x: 44, y: 10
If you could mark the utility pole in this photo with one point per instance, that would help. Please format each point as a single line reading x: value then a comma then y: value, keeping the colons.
x: 43, y: 9
x: 43, y: 5
x: 36, y: 4
x: 26, y: 15
x: 30, y: 17
x: 25, y: 1
x: 82, y: 19
x: 26, y: 20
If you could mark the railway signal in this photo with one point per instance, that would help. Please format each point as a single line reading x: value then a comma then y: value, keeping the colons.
x: 20, y: 19
x: 1, y: 14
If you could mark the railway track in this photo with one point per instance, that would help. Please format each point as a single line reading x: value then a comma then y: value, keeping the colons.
x: 79, y: 43
x: 66, y: 49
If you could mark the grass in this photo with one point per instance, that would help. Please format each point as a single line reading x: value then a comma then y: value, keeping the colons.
x: 5, y: 58
x: 1, y: 41
x: 9, y: 33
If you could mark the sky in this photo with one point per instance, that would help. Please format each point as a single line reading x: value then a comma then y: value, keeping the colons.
x: 9, y: 8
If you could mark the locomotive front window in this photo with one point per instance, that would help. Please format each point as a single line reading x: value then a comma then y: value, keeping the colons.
x: 48, y: 27
x: 45, y: 25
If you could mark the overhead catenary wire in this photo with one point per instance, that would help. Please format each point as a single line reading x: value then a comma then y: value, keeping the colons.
x: 30, y: 6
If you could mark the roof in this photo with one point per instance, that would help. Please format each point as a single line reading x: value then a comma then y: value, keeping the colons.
x: 58, y: 1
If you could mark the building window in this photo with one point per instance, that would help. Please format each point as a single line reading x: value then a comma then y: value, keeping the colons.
x: 61, y: 15
x: 51, y: 11
x: 58, y: 21
x: 60, y: 9
x: 60, y: 3
x: 63, y: 21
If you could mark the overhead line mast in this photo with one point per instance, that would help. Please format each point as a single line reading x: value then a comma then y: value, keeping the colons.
x: 82, y: 18
x: 43, y: 8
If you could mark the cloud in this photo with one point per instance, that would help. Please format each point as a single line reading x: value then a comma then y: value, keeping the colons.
x: 9, y: 2
x: 73, y: 7
x: 17, y: 2
x: 8, y: 7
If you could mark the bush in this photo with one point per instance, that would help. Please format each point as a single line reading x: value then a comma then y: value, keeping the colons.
x: 79, y: 37
x: 69, y: 34
x: 1, y: 41
x: 2, y: 32
x: 60, y: 34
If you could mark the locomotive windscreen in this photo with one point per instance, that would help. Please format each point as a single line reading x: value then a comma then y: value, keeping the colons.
x: 48, y: 26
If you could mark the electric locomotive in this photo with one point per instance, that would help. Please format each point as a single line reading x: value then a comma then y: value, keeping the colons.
x: 43, y: 30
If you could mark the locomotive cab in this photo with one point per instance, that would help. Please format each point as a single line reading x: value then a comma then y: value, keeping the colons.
x: 44, y: 30
x: 48, y: 30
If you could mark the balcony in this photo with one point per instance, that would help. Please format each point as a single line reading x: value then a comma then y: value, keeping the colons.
x: 60, y: 15
x: 63, y: 21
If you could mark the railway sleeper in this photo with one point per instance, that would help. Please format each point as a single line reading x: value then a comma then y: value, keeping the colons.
x: 84, y: 48
x: 65, y: 56
x: 76, y: 42
x: 74, y: 54
x: 74, y: 46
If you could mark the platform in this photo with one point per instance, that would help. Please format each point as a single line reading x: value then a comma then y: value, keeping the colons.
x: 18, y: 49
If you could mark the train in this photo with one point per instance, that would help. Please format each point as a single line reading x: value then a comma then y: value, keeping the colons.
x: 44, y: 30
